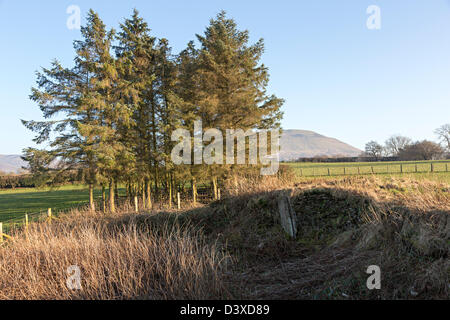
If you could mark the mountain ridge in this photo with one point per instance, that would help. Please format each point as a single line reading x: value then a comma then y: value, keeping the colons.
x: 308, y: 144
x: 11, y: 163
x: 294, y: 144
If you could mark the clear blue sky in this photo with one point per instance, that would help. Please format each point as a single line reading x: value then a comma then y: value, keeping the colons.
x: 338, y: 78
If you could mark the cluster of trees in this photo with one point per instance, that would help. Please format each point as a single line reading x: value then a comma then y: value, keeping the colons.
x: 111, y: 116
x: 16, y: 181
x: 404, y: 148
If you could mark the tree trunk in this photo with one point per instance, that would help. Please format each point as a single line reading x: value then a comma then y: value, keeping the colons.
x: 116, y: 192
x: 91, y: 197
x: 194, y: 190
x: 169, y: 181
x: 127, y: 188
x: 112, y: 203
x: 148, y: 187
x: 144, y: 200
x: 214, y: 181
x: 103, y: 198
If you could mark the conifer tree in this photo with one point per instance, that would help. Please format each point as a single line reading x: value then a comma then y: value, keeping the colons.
x: 111, y: 116
x: 225, y: 85
x: 137, y: 56
x: 83, y: 97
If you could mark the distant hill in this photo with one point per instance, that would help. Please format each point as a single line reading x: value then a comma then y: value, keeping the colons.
x: 11, y: 163
x: 307, y: 144
x: 294, y: 144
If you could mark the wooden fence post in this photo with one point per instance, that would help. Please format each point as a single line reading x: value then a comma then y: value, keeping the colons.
x: 416, y: 167
x: 136, y: 204
x: 401, y: 168
x: 1, y: 232
x: 26, y: 222
x: 179, y: 201
x: 49, y: 213
x: 329, y: 172
x: 432, y: 167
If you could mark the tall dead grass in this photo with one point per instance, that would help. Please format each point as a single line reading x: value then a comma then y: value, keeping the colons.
x: 346, y: 224
x: 117, y: 261
x: 401, y: 224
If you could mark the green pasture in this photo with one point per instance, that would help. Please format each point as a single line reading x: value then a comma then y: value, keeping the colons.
x: 362, y: 168
x: 14, y: 204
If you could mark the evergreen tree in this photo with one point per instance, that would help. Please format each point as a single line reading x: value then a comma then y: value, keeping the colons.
x: 111, y: 117
x: 84, y: 97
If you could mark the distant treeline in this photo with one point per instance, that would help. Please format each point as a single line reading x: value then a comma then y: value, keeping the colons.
x: 33, y: 181
x: 16, y: 181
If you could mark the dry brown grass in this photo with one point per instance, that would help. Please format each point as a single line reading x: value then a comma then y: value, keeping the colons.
x: 117, y: 261
x: 235, y: 248
x: 347, y: 224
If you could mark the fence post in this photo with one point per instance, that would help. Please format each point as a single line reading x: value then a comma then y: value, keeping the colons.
x: 329, y: 173
x: 26, y: 221
x: 372, y: 170
x: 345, y: 171
x: 49, y: 213
x: 416, y: 167
x: 1, y: 232
x: 136, y: 203
x: 219, y: 196
x: 446, y: 167
x: 401, y: 168
x: 432, y: 167
x: 179, y: 201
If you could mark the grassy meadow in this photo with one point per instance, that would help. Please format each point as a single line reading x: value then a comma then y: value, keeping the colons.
x: 236, y: 248
x: 15, y: 203
x: 431, y: 170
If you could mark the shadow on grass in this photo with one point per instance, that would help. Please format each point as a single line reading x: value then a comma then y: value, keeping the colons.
x: 341, y: 233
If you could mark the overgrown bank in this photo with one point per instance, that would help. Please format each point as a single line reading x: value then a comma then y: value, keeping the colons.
x: 235, y: 248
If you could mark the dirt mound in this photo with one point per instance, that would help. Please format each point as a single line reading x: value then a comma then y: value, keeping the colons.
x: 323, y: 215
x: 343, y: 228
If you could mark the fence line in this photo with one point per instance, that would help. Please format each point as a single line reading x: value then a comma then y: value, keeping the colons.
x: 135, y: 204
x: 391, y: 168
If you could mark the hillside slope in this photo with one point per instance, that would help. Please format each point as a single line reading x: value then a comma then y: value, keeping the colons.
x: 11, y: 163
x: 304, y: 144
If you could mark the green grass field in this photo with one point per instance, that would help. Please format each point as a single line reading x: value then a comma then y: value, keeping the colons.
x: 359, y: 168
x: 15, y: 203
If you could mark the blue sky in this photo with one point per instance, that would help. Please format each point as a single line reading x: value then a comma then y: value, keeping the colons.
x: 338, y: 77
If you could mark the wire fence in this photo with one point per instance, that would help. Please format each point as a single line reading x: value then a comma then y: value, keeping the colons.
x: 125, y: 204
x: 365, y: 169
